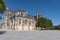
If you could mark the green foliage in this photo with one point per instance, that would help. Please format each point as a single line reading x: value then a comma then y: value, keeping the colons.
x: 2, y: 5
x: 44, y: 23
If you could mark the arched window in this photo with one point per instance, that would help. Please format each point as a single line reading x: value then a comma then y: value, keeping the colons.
x: 19, y: 21
x: 25, y: 22
x: 29, y: 23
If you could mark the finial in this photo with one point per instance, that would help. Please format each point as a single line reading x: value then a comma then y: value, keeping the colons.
x: 7, y: 8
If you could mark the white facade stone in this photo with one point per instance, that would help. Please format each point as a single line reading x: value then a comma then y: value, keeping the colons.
x: 18, y: 20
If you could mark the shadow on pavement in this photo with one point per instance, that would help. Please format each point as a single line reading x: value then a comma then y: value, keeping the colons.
x: 2, y: 32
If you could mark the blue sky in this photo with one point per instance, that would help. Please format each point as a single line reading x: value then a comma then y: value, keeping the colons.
x: 49, y: 8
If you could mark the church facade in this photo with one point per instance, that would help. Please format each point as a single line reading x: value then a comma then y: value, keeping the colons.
x: 18, y: 20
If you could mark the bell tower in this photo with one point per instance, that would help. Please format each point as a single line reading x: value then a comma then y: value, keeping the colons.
x: 37, y: 14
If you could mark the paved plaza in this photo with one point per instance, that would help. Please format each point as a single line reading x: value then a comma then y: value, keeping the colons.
x: 30, y: 35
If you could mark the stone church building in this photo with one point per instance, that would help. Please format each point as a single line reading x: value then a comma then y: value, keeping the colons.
x: 18, y: 20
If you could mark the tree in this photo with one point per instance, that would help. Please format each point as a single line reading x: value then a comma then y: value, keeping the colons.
x: 44, y: 23
x: 2, y: 6
x: 48, y: 23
